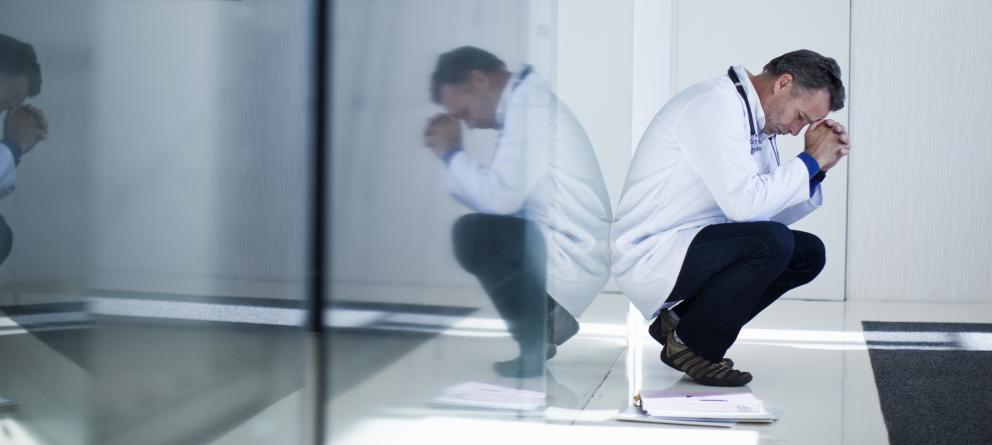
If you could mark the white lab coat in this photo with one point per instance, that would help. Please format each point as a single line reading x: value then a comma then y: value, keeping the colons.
x: 544, y: 170
x: 693, y: 167
x: 8, y: 172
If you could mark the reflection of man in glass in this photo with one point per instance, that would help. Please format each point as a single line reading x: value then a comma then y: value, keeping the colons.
x: 23, y: 125
x: 538, y: 241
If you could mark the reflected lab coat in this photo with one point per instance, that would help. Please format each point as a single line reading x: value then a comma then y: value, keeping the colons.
x: 692, y: 168
x: 544, y: 170
x: 8, y: 172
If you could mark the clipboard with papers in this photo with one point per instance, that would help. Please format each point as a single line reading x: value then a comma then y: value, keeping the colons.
x: 723, y: 407
x: 489, y: 395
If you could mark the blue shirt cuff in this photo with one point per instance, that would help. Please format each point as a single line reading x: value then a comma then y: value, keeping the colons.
x: 814, y: 182
x: 450, y: 154
x: 811, y: 165
x: 15, y: 150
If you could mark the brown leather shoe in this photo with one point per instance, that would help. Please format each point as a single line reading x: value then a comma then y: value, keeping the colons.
x: 680, y: 357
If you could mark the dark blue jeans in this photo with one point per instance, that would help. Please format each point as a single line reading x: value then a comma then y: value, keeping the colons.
x: 507, y: 255
x: 734, y: 271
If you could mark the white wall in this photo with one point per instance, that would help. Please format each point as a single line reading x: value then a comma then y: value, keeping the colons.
x: 187, y: 198
x: 391, y: 214
x: 594, y: 72
x: 49, y: 211
x: 201, y: 146
x: 179, y: 154
x: 178, y: 149
x: 652, y: 68
x: 912, y: 230
x: 919, y: 213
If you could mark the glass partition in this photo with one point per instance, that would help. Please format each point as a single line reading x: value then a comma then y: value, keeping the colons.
x: 438, y: 286
x: 155, y: 286
x: 165, y: 251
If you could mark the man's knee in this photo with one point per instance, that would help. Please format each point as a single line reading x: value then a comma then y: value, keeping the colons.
x: 777, y: 239
x: 464, y: 237
x: 810, y: 251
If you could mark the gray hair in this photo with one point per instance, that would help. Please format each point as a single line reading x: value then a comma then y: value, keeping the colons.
x: 811, y: 71
x: 454, y: 67
x: 18, y: 58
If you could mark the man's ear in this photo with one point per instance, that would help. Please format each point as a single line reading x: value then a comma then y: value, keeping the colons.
x: 479, y: 79
x: 782, y: 83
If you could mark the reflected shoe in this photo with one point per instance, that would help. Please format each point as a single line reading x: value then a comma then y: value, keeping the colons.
x: 526, y: 365
x: 520, y: 367
x: 663, y: 326
x: 680, y: 357
x: 561, y: 324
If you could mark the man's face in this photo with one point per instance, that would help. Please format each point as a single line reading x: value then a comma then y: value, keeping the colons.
x: 792, y: 108
x: 472, y: 101
x: 13, y: 90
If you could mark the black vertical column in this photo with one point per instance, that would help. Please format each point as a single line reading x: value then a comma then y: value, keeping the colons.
x: 321, y: 79
x: 319, y: 256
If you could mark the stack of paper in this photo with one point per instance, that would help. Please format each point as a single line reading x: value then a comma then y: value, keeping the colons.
x: 704, y: 406
x: 491, y: 396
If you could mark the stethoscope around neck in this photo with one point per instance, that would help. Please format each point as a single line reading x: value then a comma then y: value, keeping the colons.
x: 520, y: 78
x: 755, y: 144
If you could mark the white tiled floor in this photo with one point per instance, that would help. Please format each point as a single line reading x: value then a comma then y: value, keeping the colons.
x: 808, y: 358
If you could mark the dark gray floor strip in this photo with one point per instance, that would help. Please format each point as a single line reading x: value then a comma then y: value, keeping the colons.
x: 933, y: 381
